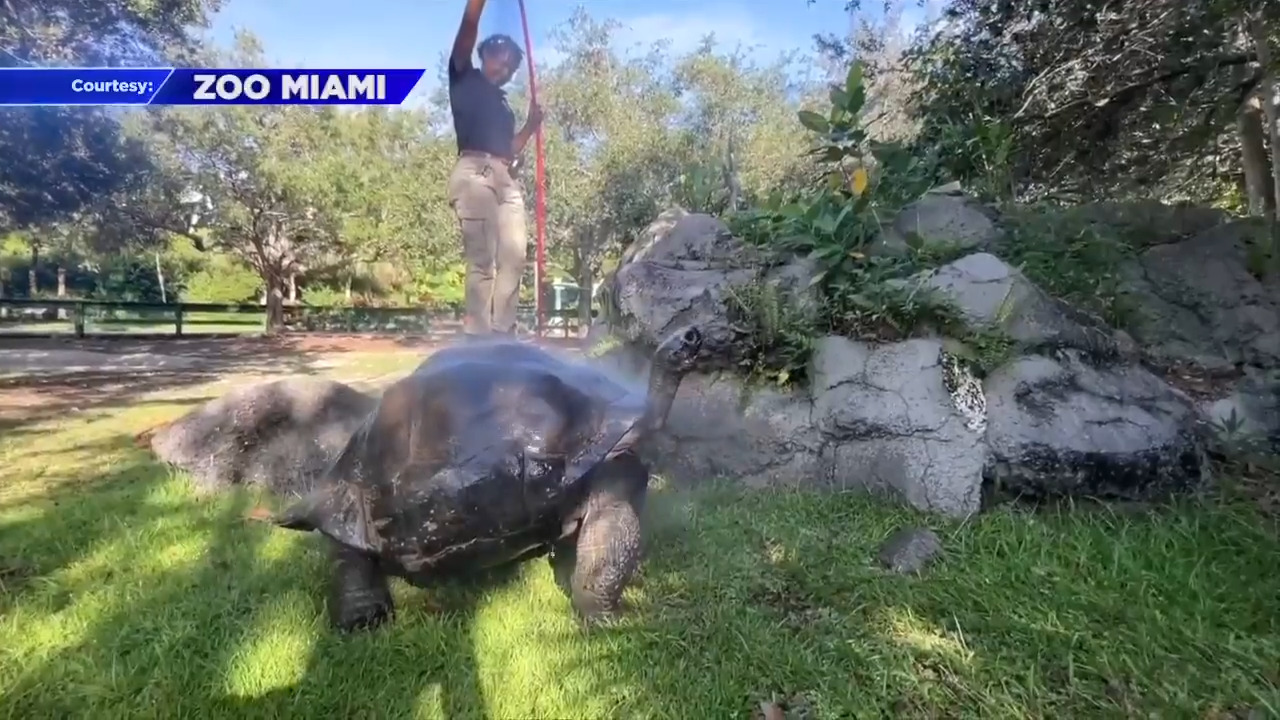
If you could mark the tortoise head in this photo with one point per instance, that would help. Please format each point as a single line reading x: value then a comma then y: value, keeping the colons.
x: 674, y: 359
x: 679, y: 352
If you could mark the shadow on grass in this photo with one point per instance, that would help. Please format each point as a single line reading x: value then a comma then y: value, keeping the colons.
x: 132, y: 596
x: 139, y: 599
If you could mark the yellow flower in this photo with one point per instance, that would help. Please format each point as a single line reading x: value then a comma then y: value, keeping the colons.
x: 858, y: 183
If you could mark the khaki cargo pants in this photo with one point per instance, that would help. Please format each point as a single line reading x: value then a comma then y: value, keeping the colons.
x: 489, y: 204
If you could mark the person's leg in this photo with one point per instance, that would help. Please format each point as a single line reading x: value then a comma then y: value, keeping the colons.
x: 512, y: 251
x: 471, y: 193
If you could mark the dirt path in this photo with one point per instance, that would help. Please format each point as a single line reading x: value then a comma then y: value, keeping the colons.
x: 43, y: 377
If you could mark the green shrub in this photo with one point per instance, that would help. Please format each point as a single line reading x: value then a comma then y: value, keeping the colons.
x: 858, y: 186
x: 324, y: 296
x: 1073, y: 258
x: 223, y: 280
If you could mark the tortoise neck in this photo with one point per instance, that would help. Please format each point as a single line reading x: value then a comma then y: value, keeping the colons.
x: 662, y: 393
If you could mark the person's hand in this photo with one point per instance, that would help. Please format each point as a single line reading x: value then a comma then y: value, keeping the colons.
x: 535, y: 115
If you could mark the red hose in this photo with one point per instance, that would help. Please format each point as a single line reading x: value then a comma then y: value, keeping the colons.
x: 540, y: 184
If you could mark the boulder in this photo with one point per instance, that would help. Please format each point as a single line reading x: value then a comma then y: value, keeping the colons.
x: 994, y: 297
x: 883, y: 418
x: 681, y: 271
x: 1201, y: 303
x: 1146, y: 223
x: 1250, y: 411
x: 944, y: 219
x: 685, y: 269
x: 721, y: 427
x: 280, y: 434
x: 1060, y: 426
x: 895, y: 418
x: 1073, y: 411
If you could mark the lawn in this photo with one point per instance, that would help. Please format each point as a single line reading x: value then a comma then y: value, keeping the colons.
x: 122, y: 594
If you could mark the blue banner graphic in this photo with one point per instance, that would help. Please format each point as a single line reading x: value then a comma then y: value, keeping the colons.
x: 80, y: 86
x: 204, y: 86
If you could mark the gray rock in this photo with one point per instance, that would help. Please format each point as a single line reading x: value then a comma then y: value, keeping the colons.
x: 946, y: 220
x: 1250, y: 412
x: 684, y: 270
x: 892, y: 424
x: 1062, y: 427
x: 280, y: 435
x: 878, y: 418
x: 1147, y: 223
x: 1201, y: 305
x: 793, y: 281
x: 720, y: 427
x: 909, y: 550
x: 993, y: 296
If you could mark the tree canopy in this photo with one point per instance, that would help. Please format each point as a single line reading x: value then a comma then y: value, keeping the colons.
x: 1062, y: 98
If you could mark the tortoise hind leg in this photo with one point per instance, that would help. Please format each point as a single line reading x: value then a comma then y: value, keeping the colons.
x: 360, y: 597
x: 596, y: 563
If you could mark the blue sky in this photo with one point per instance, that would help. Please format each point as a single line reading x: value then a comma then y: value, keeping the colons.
x: 414, y: 33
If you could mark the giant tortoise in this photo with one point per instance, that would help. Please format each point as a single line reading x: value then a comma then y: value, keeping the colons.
x: 488, y: 454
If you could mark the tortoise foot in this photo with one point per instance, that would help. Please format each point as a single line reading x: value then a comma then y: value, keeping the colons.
x: 360, y: 597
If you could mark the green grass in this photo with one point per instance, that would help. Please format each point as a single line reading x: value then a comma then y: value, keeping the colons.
x: 125, y: 595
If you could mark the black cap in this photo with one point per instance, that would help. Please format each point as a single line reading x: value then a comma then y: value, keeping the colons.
x: 504, y: 43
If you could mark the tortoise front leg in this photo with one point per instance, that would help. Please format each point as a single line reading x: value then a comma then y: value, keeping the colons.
x: 360, y: 597
x: 596, y: 564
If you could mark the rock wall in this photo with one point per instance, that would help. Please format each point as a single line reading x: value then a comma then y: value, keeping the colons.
x: 1079, y: 408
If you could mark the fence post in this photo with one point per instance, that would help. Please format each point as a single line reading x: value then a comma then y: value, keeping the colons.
x: 79, y: 311
x: 177, y: 320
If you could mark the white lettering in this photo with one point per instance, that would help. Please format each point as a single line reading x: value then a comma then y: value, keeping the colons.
x: 229, y: 87
x: 257, y: 87
x: 132, y: 87
x: 360, y: 85
x: 295, y: 85
x: 203, y: 83
x: 334, y: 89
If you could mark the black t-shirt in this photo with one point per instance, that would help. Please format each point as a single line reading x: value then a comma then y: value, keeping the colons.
x: 482, y: 119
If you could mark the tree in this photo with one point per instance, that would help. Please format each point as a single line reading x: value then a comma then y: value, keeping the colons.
x: 260, y: 179
x: 607, y: 147
x: 67, y: 163
x: 384, y: 185
x: 630, y: 134
x: 1125, y: 99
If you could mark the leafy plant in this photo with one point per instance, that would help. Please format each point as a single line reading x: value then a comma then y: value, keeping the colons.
x: 857, y: 185
x: 782, y: 332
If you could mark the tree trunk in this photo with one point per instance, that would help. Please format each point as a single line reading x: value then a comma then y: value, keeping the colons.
x: 62, y: 291
x: 585, y: 279
x: 164, y: 294
x: 1258, y: 184
x: 347, y: 289
x: 731, y: 179
x: 33, y: 284
x: 293, y: 288
x: 275, y: 303
x: 1271, y: 103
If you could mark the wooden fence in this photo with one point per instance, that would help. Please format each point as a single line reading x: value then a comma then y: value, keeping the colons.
x: 92, y: 318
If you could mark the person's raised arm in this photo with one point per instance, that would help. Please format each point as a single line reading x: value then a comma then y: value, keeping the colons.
x: 465, y: 43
